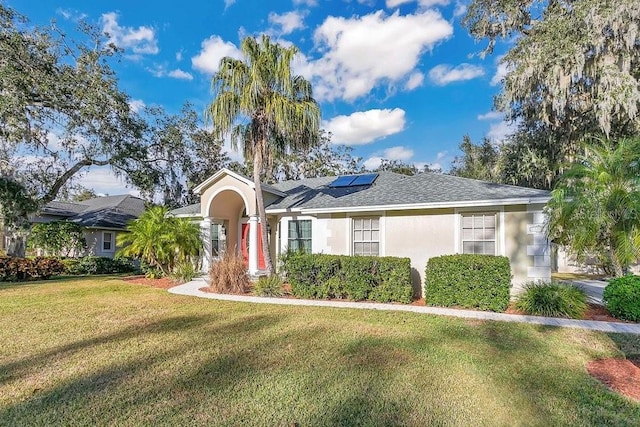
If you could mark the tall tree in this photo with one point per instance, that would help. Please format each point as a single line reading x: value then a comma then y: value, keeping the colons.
x: 574, y: 65
x: 477, y: 161
x: 595, y: 208
x: 61, y: 111
x: 265, y: 108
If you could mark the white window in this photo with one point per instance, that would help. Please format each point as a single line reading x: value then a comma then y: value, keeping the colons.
x: 366, y: 236
x: 215, y: 240
x: 299, y: 237
x: 479, y: 233
x: 107, y: 241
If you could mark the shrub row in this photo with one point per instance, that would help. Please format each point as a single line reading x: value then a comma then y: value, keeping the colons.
x: 21, y: 269
x: 99, y: 265
x: 468, y: 281
x: 382, y: 279
x: 622, y: 298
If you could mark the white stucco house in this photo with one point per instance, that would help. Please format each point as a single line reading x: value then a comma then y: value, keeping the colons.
x: 385, y: 214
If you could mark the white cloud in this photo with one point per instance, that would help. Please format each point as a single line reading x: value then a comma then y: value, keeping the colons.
x: 415, y: 80
x: 501, y: 71
x: 213, y: 50
x: 179, y: 56
x: 141, y: 40
x: 103, y: 181
x: 351, y: 64
x: 71, y: 15
x: 500, y: 130
x: 491, y: 115
x: 137, y: 105
x: 460, y: 9
x: 288, y: 22
x: 444, y: 74
x: 228, y: 3
x: 372, y: 163
x: 308, y: 3
x: 179, y: 74
x: 398, y: 153
x: 364, y: 127
x: 422, y: 3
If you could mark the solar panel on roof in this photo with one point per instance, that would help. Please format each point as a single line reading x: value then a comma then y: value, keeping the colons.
x: 343, y: 181
x: 364, y: 179
x: 354, y: 180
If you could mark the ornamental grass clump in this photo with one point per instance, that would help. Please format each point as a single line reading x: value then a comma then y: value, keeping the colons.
x: 229, y: 275
x: 268, y: 286
x: 553, y: 300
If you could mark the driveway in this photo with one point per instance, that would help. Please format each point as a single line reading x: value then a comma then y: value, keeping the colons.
x: 593, y: 288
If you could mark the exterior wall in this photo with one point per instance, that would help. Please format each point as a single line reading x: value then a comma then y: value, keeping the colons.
x: 94, y: 243
x: 227, y: 183
x: 419, y: 235
x: 422, y: 234
x: 564, y: 262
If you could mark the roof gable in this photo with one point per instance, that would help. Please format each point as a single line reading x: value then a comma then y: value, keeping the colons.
x: 226, y: 172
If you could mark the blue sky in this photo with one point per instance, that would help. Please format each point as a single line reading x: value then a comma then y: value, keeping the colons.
x: 396, y: 79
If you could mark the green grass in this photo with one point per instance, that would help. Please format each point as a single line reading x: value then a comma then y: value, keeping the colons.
x: 102, y: 352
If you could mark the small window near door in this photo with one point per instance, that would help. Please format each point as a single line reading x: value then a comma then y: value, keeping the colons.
x: 479, y: 234
x: 300, y: 235
x: 366, y: 236
x: 107, y: 241
x: 215, y: 240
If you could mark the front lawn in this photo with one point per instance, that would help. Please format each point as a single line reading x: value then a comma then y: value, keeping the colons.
x: 105, y: 352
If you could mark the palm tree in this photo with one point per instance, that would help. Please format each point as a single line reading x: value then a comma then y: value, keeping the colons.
x: 265, y: 109
x: 595, y: 208
x: 160, y: 240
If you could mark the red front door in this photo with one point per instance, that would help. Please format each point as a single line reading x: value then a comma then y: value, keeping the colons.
x: 244, y: 247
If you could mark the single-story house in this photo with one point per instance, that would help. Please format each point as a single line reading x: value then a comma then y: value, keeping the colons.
x: 102, y: 218
x: 384, y: 214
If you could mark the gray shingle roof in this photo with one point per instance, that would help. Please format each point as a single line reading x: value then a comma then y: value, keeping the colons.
x: 394, y: 189
x: 191, y: 210
x: 99, y: 212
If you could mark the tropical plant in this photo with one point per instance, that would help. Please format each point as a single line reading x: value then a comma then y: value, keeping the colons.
x: 595, y: 207
x: 160, y: 240
x: 58, y: 238
x: 553, y: 300
x: 265, y: 109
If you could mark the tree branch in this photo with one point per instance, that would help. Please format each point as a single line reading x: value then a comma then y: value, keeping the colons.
x: 53, y: 191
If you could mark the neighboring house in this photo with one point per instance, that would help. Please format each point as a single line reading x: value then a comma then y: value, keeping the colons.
x: 384, y: 214
x: 101, y: 217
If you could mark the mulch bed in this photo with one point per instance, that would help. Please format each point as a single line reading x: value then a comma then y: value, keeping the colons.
x: 163, y: 283
x: 621, y: 375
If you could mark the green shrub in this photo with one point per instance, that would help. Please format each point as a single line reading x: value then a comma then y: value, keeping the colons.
x: 553, y: 299
x: 382, y: 279
x: 268, y: 286
x: 21, y: 269
x: 229, y: 275
x: 622, y: 298
x: 184, y: 271
x: 99, y: 265
x: 469, y: 281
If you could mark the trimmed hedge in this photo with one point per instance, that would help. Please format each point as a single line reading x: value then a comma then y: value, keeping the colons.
x: 622, y: 298
x: 469, y: 281
x: 381, y: 279
x: 99, y: 265
x: 22, y: 269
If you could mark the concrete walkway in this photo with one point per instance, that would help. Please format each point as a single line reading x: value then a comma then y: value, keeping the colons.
x: 193, y: 289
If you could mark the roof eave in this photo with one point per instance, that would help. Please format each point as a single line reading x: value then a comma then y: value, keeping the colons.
x: 433, y: 205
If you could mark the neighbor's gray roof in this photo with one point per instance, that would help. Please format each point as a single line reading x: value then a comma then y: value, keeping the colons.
x: 394, y: 189
x: 191, y: 210
x: 99, y: 212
